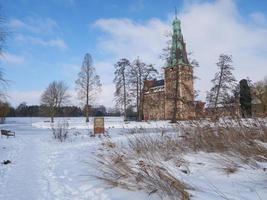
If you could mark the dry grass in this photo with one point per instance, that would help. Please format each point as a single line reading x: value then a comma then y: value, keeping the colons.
x: 241, y: 139
x: 119, y: 171
x: 144, y: 162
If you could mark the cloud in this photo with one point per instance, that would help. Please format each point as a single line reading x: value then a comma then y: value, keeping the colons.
x: 35, y: 25
x: 106, y: 96
x: 30, y: 97
x: 12, y: 59
x: 106, y: 71
x: 259, y: 18
x: 214, y: 28
x: 36, y: 31
x: 209, y: 29
x: 33, y: 97
x: 70, y: 71
x: 130, y: 39
x: 57, y: 42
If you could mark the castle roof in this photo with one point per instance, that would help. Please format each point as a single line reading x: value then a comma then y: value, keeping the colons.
x: 158, y: 83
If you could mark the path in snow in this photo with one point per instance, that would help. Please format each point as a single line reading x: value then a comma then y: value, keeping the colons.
x: 43, y: 168
x: 22, y: 178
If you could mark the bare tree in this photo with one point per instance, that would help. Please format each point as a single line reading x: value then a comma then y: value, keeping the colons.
x: 4, y: 110
x: 3, y: 37
x: 88, y: 84
x: 3, y: 32
x: 54, y: 96
x: 121, y: 84
x: 4, y: 106
x: 139, y: 73
x: 223, y: 83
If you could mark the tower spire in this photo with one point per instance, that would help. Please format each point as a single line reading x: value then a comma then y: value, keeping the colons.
x: 178, y: 51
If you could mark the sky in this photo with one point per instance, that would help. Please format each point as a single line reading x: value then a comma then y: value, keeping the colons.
x: 48, y: 40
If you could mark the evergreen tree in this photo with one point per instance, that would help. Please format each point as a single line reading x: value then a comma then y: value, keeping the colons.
x: 245, y: 98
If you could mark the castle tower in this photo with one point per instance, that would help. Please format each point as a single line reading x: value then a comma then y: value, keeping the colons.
x: 179, y: 90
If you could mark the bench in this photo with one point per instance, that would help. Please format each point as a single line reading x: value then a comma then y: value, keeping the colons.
x: 7, y: 133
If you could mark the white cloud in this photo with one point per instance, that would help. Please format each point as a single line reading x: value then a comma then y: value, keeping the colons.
x: 12, y: 59
x: 259, y: 18
x: 106, y: 71
x: 214, y: 28
x: 30, y: 97
x: 106, y: 96
x: 57, y: 42
x: 35, y: 25
x: 130, y: 39
x: 33, y: 97
x: 209, y: 29
x: 70, y: 71
x: 34, y: 30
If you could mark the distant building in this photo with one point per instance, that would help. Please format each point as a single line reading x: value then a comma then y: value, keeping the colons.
x: 160, y: 95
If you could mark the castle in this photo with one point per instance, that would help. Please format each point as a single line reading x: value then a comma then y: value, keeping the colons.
x: 174, y: 93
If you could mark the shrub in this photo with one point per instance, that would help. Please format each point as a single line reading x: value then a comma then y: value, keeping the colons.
x: 60, y: 130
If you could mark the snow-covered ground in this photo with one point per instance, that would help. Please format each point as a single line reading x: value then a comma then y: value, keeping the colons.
x: 43, y: 168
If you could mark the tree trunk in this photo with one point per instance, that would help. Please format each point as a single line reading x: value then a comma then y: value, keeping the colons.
x: 141, y: 106
x: 52, y: 113
x: 87, y: 101
x: 137, y: 98
x: 87, y: 113
x: 124, y: 97
x: 140, y: 100
x: 218, y: 90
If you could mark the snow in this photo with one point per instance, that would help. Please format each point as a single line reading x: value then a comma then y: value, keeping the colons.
x: 43, y: 168
x: 110, y: 123
x: 211, y: 182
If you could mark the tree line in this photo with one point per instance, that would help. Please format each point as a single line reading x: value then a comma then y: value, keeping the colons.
x: 24, y: 110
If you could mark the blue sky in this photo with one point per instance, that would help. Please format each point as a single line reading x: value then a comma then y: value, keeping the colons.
x: 48, y: 39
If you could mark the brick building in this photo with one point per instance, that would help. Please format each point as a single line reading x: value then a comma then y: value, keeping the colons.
x: 177, y: 87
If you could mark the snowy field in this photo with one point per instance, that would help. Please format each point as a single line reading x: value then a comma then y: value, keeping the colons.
x: 43, y: 168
